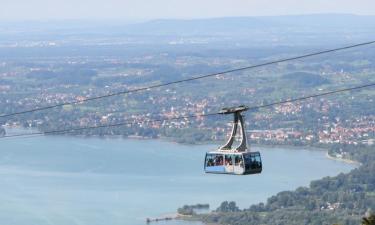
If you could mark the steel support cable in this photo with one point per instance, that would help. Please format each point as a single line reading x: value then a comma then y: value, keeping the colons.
x: 251, y: 108
x: 190, y: 79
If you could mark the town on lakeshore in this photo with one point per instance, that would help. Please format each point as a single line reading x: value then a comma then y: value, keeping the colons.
x: 140, y: 80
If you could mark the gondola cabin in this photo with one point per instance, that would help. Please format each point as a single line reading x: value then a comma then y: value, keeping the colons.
x: 229, y: 160
x: 238, y: 163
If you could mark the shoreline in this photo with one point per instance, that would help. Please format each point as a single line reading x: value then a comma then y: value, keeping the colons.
x: 169, y: 140
x: 348, y: 161
x: 176, y: 216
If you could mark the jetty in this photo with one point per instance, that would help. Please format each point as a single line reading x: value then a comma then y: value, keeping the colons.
x: 151, y: 220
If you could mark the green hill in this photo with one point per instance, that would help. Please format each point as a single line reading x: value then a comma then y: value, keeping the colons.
x: 304, y: 79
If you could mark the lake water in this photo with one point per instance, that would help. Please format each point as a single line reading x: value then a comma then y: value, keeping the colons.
x: 92, y: 181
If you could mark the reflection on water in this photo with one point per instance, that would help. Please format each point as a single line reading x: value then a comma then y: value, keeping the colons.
x: 62, y: 180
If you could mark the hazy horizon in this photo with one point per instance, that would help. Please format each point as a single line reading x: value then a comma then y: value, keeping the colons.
x: 139, y: 21
x: 135, y: 11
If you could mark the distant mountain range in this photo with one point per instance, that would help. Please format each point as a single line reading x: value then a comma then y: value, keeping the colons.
x: 248, y: 24
x: 237, y: 31
x: 222, y: 25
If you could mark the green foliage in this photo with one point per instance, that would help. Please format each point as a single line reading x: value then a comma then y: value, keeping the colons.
x: 64, y: 76
x: 186, y: 210
x: 342, y: 199
x: 189, y: 210
x: 228, y: 207
x: 370, y: 220
x: 303, y: 79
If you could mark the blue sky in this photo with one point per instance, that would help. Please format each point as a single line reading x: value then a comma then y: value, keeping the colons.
x: 187, y: 9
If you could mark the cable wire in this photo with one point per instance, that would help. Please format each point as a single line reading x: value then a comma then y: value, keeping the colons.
x: 190, y: 79
x: 190, y: 116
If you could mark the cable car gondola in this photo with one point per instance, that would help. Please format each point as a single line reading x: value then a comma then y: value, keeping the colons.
x: 239, y: 160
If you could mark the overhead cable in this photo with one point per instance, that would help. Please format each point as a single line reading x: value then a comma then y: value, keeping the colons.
x: 251, y: 108
x: 188, y: 79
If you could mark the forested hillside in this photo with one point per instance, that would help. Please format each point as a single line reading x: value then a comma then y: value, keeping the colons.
x: 343, y: 199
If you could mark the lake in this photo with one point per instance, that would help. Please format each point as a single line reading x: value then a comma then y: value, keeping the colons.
x: 93, y: 181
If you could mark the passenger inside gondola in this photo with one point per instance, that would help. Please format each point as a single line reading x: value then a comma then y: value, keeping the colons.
x: 238, y: 161
x: 210, y: 160
x: 219, y: 160
x: 228, y: 160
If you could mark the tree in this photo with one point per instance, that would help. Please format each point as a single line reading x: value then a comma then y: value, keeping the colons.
x: 228, y: 207
x: 370, y: 220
